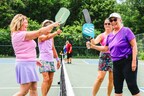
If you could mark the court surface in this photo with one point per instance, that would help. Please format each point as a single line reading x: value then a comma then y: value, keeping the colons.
x: 82, y: 74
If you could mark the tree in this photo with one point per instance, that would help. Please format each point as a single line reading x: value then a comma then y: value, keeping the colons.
x: 6, y: 13
x: 39, y: 10
x: 132, y: 12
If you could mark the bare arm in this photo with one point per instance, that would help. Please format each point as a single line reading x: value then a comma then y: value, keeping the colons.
x: 99, y: 48
x: 54, y: 51
x: 44, y: 30
x: 32, y: 35
x: 134, y: 48
x: 49, y: 36
x: 97, y: 39
x: 56, y: 56
x: 134, y: 53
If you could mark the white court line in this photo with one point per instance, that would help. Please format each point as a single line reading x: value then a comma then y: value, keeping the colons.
x: 5, y: 88
x: 11, y: 88
x: 92, y: 87
x: 142, y: 89
x: 90, y: 61
x: 141, y: 63
x: 85, y: 62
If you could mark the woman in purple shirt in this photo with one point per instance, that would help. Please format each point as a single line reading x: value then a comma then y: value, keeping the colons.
x: 123, y: 49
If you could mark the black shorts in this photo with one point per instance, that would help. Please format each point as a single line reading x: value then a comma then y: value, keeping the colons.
x: 69, y: 55
x: 122, y: 70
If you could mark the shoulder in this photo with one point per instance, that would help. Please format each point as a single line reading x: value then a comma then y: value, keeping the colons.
x: 100, y: 36
x: 19, y: 35
x: 126, y: 29
x: 128, y: 33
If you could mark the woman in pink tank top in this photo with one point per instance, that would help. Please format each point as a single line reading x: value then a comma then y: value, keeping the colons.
x: 105, y: 62
x: 47, y: 54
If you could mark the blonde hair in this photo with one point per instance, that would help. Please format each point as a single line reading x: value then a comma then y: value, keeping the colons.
x: 46, y: 23
x: 16, y: 22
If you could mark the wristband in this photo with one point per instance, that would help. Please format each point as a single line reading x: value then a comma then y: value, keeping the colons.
x: 57, y: 59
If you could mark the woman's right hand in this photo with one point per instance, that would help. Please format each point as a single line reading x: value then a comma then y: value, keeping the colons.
x: 92, y: 41
x: 55, y: 24
x: 59, y: 31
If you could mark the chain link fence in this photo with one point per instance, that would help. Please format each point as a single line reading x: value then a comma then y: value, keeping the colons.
x: 140, y: 42
x: 140, y: 45
x: 78, y: 51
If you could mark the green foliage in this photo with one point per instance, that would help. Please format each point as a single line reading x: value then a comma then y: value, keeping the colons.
x: 6, y: 13
x: 141, y: 55
x: 5, y: 36
x: 33, y: 25
x: 132, y: 14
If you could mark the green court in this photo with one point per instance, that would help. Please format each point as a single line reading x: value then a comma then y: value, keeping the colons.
x: 82, y: 74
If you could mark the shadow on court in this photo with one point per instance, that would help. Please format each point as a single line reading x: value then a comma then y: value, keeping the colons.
x: 82, y: 74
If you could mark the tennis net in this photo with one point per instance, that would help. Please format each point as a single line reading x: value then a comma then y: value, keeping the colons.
x: 65, y: 85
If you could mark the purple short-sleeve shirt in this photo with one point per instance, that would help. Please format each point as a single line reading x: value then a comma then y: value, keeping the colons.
x: 119, y: 45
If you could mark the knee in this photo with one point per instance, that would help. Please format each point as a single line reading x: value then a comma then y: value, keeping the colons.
x: 51, y: 79
x: 100, y: 78
x: 47, y: 80
x: 33, y: 87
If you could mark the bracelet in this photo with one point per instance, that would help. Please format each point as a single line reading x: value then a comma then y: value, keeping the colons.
x: 57, y: 59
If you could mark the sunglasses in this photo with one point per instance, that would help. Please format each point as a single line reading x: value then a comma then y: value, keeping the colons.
x: 113, y: 19
x: 107, y: 24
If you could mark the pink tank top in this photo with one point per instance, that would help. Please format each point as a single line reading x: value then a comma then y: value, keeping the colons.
x: 103, y: 41
x: 45, y: 49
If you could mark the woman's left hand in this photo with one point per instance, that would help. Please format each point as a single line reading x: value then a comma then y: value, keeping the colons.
x: 58, y: 65
x: 38, y: 63
x: 134, y: 65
